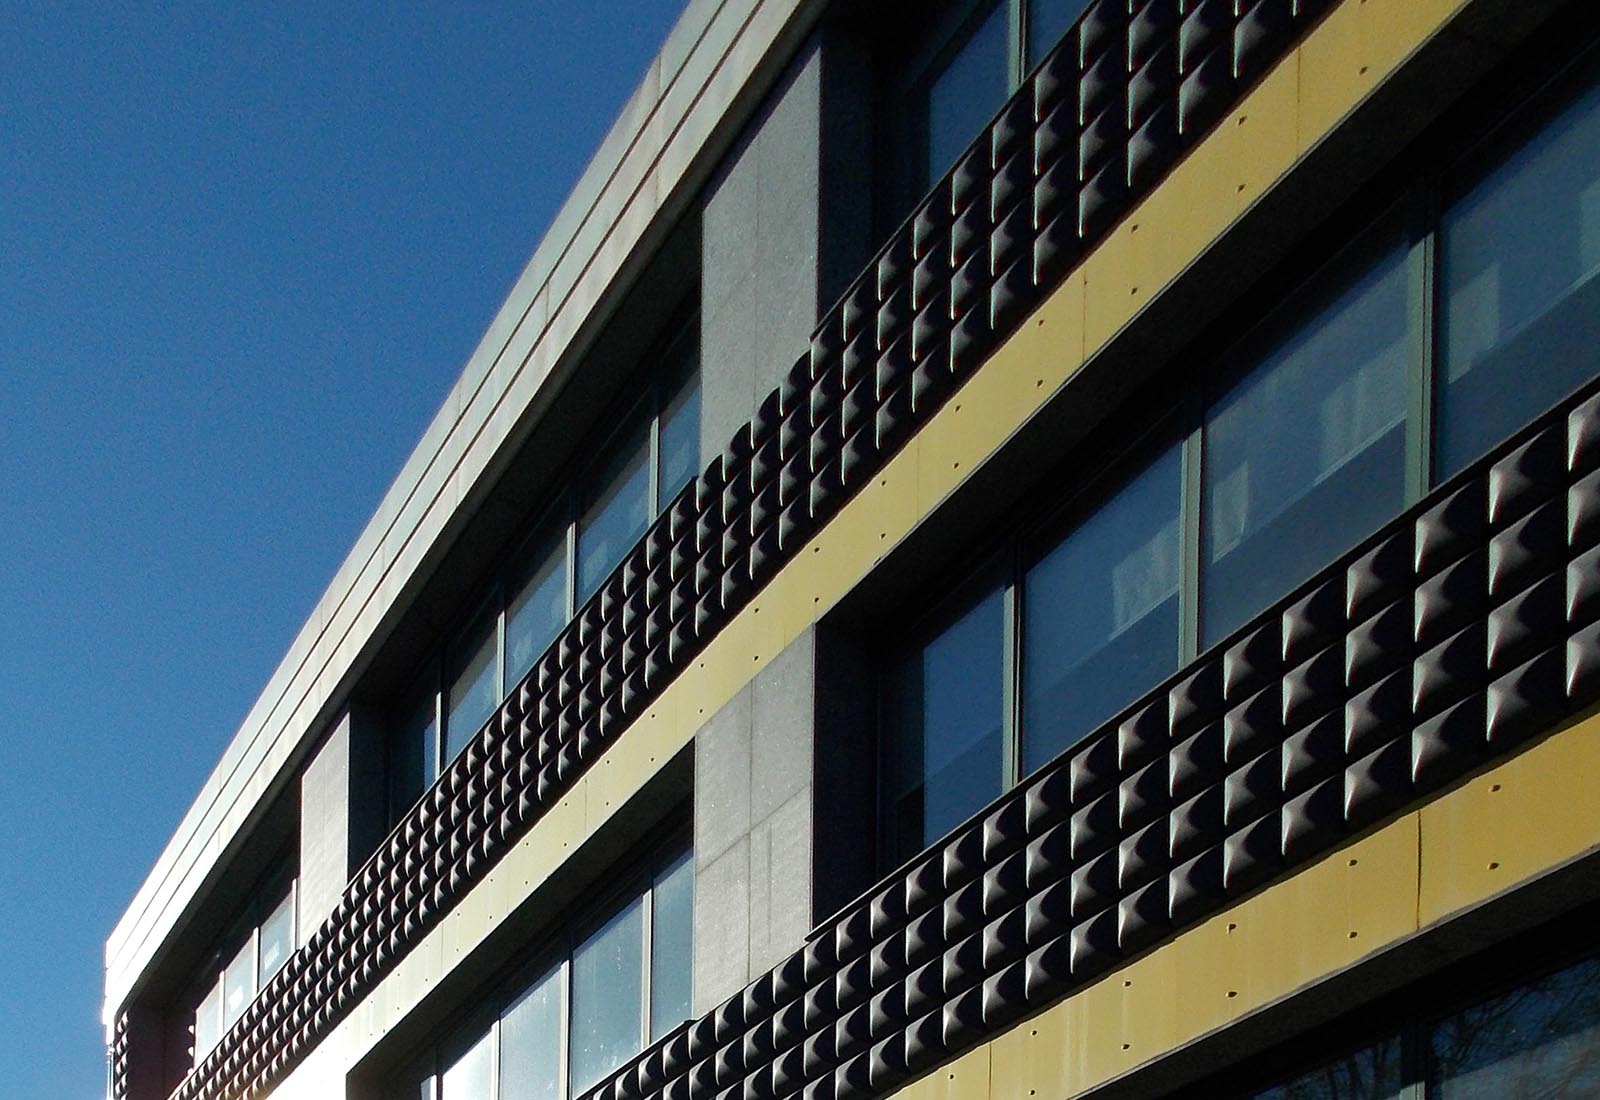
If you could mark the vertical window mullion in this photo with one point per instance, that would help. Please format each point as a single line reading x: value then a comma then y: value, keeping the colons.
x: 1422, y: 313
x: 564, y: 1071
x: 647, y: 951
x: 572, y: 556
x: 1189, y: 549
x: 1018, y: 30
x: 500, y: 663
x: 655, y: 453
x: 1011, y: 671
x: 494, y: 1058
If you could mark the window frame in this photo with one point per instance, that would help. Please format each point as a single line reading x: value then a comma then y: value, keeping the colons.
x: 674, y: 369
x: 903, y: 96
x: 552, y: 953
x: 243, y: 932
x: 1406, y: 207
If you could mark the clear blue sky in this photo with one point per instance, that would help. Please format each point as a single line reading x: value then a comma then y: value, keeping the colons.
x: 244, y: 251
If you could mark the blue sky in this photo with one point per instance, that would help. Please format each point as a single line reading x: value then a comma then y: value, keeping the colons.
x: 244, y: 251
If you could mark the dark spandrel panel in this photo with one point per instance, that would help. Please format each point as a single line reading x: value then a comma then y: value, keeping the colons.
x: 1100, y: 613
x: 672, y: 947
x: 474, y: 688
x: 945, y: 712
x: 967, y: 92
x: 607, y: 995
x: 530, y: 1042
x: 1048, y: 23
x: 616, y: 512
x: 1542, y: 1040
x: 1306, y: 454
x: 1519, y: 298
x: 1373, y: 1073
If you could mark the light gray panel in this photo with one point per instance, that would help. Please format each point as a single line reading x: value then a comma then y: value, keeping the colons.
x: 722, y: 927
x: 782, y: 725
x: 722, y: 780
x: 780, y: 908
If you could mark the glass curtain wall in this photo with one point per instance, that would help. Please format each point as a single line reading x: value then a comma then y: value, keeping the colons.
x: 595, y: 1000
x: 1310, y: 433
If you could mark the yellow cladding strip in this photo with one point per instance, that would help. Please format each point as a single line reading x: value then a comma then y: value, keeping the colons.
x: 1316, y: 85
x: 1527, y: 816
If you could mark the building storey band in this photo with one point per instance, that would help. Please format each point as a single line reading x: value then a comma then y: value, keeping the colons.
x: 997, y: 550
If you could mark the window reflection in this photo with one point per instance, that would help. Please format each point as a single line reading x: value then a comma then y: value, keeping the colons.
x: 615, y: 516
x: 607, y: 994
x: 1048, y: 23
x: 946, y: 703
x: 1520, y: 299
x: 1100, y: 613
x: 968, y: 91
x: 672, y: 947
x: 475, y: 687
x: 1374, y: 1073
x: 1307, y: 453
x: 538, y: 609
x: 1542, y: 1040
x: 470, y: 1076
x: 530, y: 1042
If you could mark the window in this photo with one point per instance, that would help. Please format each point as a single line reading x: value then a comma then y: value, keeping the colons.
x: 262, y: 939
x: 1311, y: 431
x: 954, y: 81
x: 1306, y: 453
x: 567, y: 556
x: 590, y: 1003
x: 946, y: 705
x: 1541, y: 1039
x: 1518, y: 295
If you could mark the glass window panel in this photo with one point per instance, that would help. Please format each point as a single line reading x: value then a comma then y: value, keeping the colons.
x: 470, y: 1076
x: 672, y: 947
x: 208, y: 1023
x: 945, y: 715
x: 617, y: 514
x: 968, y: 91
x: 1100, y: 613
x: 277, y: 939
x: 1542, y: 1040
x: 475, y: 685
x: 1375, y: 1073
x: 1306, y: 454
x: 238, y: 984
x: 538, y: 609
x: 680, y: 429
x: 1048, y: 23
x: 1520, y: 298
x: 413, y: 764
x: 530, y: 1042
x: 607, y: 998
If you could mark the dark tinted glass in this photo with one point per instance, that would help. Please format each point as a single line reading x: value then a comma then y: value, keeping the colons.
x: 1374, y: 1073
x: 617, y: 512
x: 945, y: 705
x: 1542, y: 1040
x: 470, y: 1075
x: 412, y: 763
x: 1520, y: 301
x: 538, y: 607
x: 1306, y: 454
x: 967, y: 92
x: 474, y: 684
x: 1048, y: 22
x: 680, y: 423
x: 1100, y: 613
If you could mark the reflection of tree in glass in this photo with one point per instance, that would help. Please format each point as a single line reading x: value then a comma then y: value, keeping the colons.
x: 1369, y: 1074
x: 1538, y: 1042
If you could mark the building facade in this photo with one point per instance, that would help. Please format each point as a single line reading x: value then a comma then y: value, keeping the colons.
x: 999, y: 549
